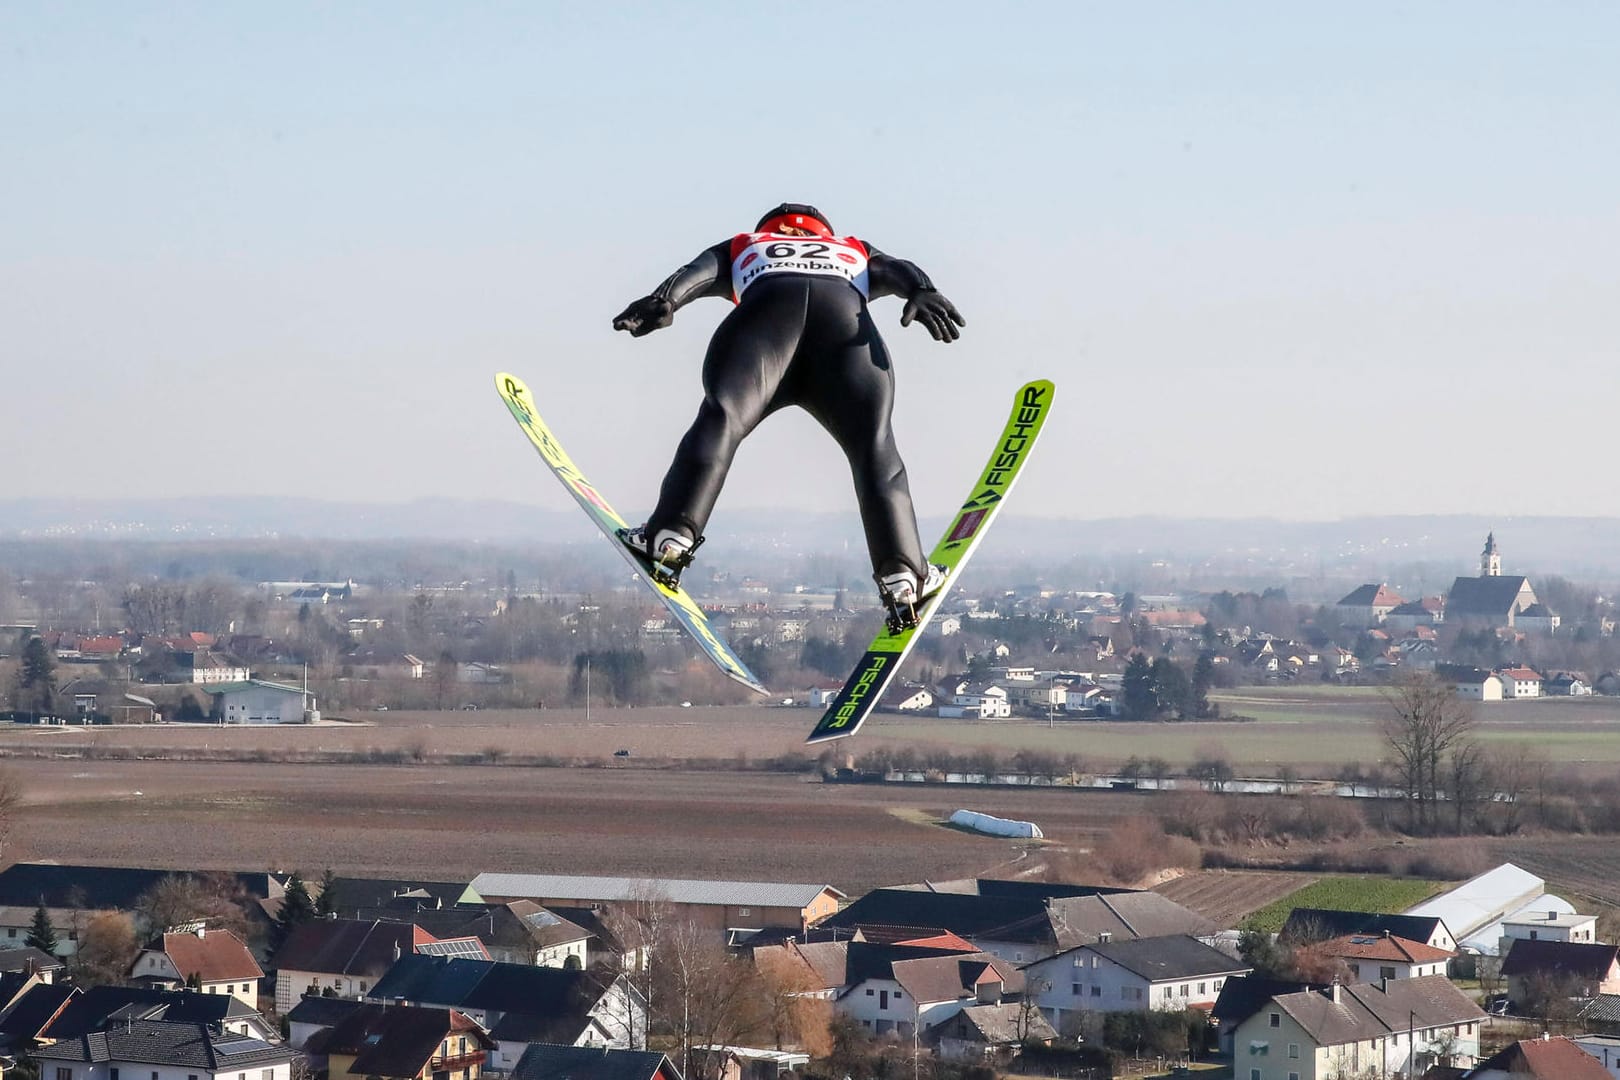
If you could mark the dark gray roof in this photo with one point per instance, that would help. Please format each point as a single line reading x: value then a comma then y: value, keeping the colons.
x: 36, y: 1009
x: 323, y: 1011
x: 1604, y: 1009
x: 1371, y: 1010
x: 91, y: 1010
x: 157, y: 1043
x: 1174, y: 957
x: 350, y: 894
x: 93, y: 888
x: 1525, y: 957
x: 535, y: 1004
x: 28, y: 958
x: 1244, y: 995
x: 1321, y: 924
x: 1493, y: 596
x: 543, y: 1061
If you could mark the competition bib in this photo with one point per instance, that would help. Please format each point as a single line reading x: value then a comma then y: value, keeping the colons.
x: 753, y: 255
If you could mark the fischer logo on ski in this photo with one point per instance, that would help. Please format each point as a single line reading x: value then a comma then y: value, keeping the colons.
x: 889, y: 649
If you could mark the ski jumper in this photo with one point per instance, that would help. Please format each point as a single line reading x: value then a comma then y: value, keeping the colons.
x: 801, y: 334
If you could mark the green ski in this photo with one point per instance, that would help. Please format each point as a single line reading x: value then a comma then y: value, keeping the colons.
x: 883, y: 657
x: 681, y: 605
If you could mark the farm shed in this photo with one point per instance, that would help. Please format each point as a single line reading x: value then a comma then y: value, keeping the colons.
x: 994, y: 826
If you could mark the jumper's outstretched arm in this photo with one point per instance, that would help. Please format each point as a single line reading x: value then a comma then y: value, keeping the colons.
x: 705, y: 275
x: 888, y: 276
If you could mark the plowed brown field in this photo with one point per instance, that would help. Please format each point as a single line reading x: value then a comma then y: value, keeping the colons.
x: 452, y: 822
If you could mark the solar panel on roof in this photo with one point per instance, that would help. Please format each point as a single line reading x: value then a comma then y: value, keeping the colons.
x: 239, y: 1046
x: 464, y: 948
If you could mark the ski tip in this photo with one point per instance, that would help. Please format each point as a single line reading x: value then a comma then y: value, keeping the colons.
x: 510, y: 385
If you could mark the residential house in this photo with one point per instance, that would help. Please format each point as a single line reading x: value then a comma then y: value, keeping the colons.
x: 313, y: 1015
x: 544, y: 1062
x: 981, y: 1031
x: 1547, y: 1058
x: 1605, y: 1049
x: 1172, y: 972
x: 1549, y: 925
x: 1566, y: 684
x: 255, y: 701
x: 1519, y: 682
x: 517, y: 932
x: 28, y: 1008
x: 519, y: 1004
x: 402, y: 897
x: 907, y: 990
x: 165, y: 1050
x: 1585, y: 969
x: 1367, y: 605
x: 1471, y: 683
x: 30, y: 961
x: 1243, y: 996
x: 1023, y: 921
x: 341, y: 957
x: 213, y: 961
x: 405, y: 1042
x: 976, y: 701
x: 728, y: 1062
x: 1323, y: 924
x: 74, y: 894
x: 102, y: 1007
x: 1399, y: 1027
x: 1370, y: 957
x: 720, y: 905
x: 908, y: 697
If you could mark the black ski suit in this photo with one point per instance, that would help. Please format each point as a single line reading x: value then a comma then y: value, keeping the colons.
x: 797, y: 339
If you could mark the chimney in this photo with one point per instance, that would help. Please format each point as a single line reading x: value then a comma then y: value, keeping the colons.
x: 202, y: 931
x: 396, y: 950
x: 1383, y: 985
x: 1333, y: 992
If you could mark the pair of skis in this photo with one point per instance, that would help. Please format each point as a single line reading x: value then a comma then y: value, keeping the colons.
x: 888, y: 650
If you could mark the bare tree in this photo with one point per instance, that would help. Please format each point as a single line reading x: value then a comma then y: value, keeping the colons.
x: 107, y: 950
x: 1425, y: 720
x: 214, y: 899
x: 1467, y: 779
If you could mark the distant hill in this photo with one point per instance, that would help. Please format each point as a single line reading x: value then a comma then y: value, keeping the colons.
x: 1586, y: 547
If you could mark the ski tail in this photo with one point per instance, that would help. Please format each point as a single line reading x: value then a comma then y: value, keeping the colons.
x: 686, y: 612
x: 888, y: 650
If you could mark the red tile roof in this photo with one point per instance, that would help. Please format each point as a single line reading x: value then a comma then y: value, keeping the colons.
x: 217, y: 956
x: 1546, y: 1058
x: 1386, y: 947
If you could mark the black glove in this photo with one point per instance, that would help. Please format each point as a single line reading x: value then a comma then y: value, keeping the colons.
x: 938, y: 314
x: 645, y: 315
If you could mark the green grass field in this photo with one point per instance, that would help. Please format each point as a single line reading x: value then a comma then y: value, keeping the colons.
x: 1383, y: 895
x: 1313, y: 728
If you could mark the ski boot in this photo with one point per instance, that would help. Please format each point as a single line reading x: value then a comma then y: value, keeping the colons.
x: 666, y: 554
x: 902, y: 598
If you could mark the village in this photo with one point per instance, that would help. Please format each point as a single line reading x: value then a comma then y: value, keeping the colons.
x: 126, y: 971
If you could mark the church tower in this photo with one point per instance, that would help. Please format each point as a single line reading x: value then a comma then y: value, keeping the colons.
x: 1490, y: 560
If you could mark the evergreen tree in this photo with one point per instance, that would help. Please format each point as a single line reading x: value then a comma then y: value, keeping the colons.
x: 1203, y: 677
x: 326, y: 903
x: 42, y: 935
x: 1137, y: 692
x: 37, y: 677
x: 1171, y: 690
x: 296, y: 908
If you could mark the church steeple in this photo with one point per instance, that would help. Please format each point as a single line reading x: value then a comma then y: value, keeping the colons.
x: 1490, y: 560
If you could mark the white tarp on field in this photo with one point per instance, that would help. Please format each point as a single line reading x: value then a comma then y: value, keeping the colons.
x: 994, y: 826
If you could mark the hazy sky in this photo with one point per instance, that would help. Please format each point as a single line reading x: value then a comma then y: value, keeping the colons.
x: 1279, y: 260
